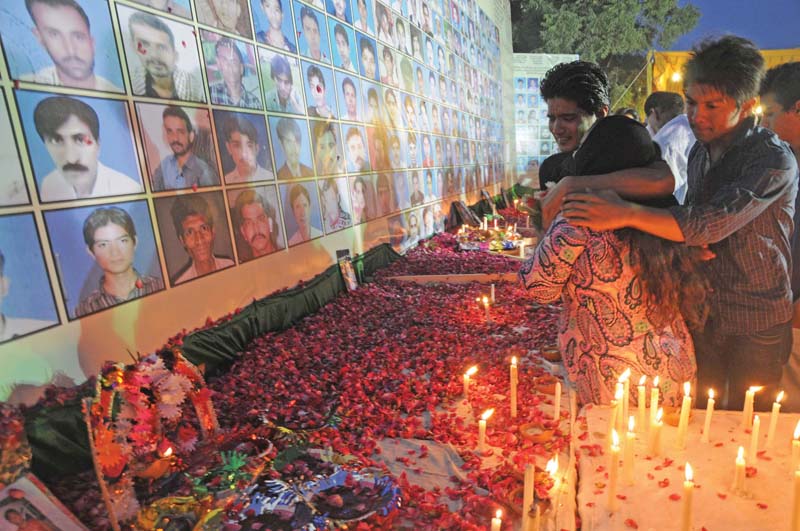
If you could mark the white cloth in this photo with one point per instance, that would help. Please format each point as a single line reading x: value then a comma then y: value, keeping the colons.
x: 49, y: 76
x: 676, y: 140
x: 109, y: 182
x: 298, y: 238
x: 261, y: 174
x: 189, y: 274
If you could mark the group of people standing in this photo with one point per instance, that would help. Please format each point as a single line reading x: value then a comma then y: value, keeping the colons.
x: 674, y: 253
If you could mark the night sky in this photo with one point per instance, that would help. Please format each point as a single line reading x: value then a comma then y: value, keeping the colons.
x: 771, y: 24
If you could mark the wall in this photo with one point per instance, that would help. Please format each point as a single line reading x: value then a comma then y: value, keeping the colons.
x: 261, y: 188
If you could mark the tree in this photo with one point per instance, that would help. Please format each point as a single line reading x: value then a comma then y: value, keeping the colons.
x: 614, y: 33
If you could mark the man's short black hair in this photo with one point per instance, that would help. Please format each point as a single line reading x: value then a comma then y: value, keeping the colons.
x: 189, y: 205
x: 177, y: 112
x: 296, y: 191
x: 51, y: 113
x: 307, y: 12
x: 241, y: 125
x: 668, y: 103
x: 783, y: 82
x: 152, y: 21
x: 288, y: 126
x: 365, y: 44
x: 279, y: 66
x: 733, y: 65
x: 583, y: 82
x: 58, y: 3
x: 348, y: 81
x: 225, y: 42
x: 338, y: 29
x: 314, y: 71
x: 103, y: 216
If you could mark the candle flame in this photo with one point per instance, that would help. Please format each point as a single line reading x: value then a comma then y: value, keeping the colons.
x: 472, y: 370
x: 498, y: 514
x: 488, y: 413
x: 660, y: 414
x: 168, y: 452
x: 625, y: 375
x: 514, y: 361
x: 689, y: 473
x: 797, y: 430
x: 485, y: 300
x: 642, y: 380
x: 740, y: 454
x: 687, y: 388
x: 618, y: 392
x: 780, y: 397
x: 631, y: 423
x: 552, y: 466
x: 614, y: 438
x: 711, y: 394
x: 755, y: 389
x: 655, y: 381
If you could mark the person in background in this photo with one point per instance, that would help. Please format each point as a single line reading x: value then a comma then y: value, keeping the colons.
x: 671, y: 131
x: 629, y: 112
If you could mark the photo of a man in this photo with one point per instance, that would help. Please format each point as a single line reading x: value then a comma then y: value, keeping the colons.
x: 348, y: 97
x: 416, y: 197
x: 368, y: 58
x: 344, y: 51
x: 110, y: 237
x: 163, y: 61
x: 272, y: 26
x: 180, y: 8
x: 357, y: 157
x: 184, y: 164
x: 313, y: 34
x: 12, y: 186
x: 66, y: 149
x: 256, y: 222
x: 232, y: 16
x: 279, y: 73
x: 303, y: 220
x: 293, y: 151
x: 339, y: 9
x: 244, y: 147
x: 231, y: 71
x: 363, y: 17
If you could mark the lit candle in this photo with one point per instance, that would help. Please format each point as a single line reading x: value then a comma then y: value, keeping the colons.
x: 653, y: 401
x: 796, y: 447
x: 625, y: 378
x: 522, y: 249
x: 751, y: 455
x: 527, y: 496
x: 516, y: 204
x: 738, y: 478
x: 485, y: 301
x: 796, y: 502
x: 655, y: 434
x: 683, y: 423
x: 613, y: 466
x: 491, y: 294
x: 709, y: 412
x: 514, y: 229
x: 688, y: 489
x: 470, y: 372
x: 497, y: 521
x: 747, y: 412
x: 612, y: 421
x: 773, y: 419
x: 513, y: 377
x: 641, y: 402
x: 627, y: 456
x: 618, y: 396
x: 482, y: 429
x: 557, y: 403
x: 495, y: 223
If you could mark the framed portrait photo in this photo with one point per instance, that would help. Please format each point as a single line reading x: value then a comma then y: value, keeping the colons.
x: 257, y: 224
x: 274, y: 24
x: 12, y: 187
x: 302, y: 213
x: 283, y: 82
x: 28, y: 504
x: 232, y: 16
x: 312, y: 31
x: 243, y: 143
x: 292, y: 148
x: 335, y: 202
x: 232, y: 71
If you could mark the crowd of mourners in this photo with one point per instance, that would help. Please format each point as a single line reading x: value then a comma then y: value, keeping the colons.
x: 672, y: 243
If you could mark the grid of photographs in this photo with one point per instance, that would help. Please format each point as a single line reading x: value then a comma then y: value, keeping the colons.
x: 534, y: 141
x: 209, y: 133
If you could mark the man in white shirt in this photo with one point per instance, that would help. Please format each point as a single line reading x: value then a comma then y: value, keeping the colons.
x: 241, y: 143
x: 665, y: 117
x: 194, y: 224
x: 70, y: 131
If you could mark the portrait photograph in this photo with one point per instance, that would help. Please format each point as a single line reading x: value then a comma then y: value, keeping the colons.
x: 244, y: 150
x: 367, y: 57
x: 385, y: 198
x: 414, y: 144
x: 194, y: 235
x: 256, y: 218
x: 301, y: 212
x: 384, y: 24
x: 335, y: 201
x: 79, y: 147
x: 291, y: 146
x: 326, y: 136
x: 413, y: 226
x: 363, y: 16
x: 105, y: 255
x: 356, y: 148
x: 232, y: 71
x: 34, y: 36
x: 180, y: 8
x: 26, y: 298
x: 392, y: 113
x: 282, y: 82
x: 162, y: 56
x: 387, y: 65
x: 320, y: 91
x: 348, y: 92
x: 178, y: 146
x: 402, y: 35
x: 232, y: 16
x: 312, y: 33
x: 395, y: 227
x: 12, y: 187
x: 344, y: 47
x: 416, y: 190
x: 371, y: 100
x: 274, y: 24
x: 362, y: 199
x: 28, y: 504
x: 401, y: 193
x: 339, y: 9
x: 378, y: 143
x: 396, y: 148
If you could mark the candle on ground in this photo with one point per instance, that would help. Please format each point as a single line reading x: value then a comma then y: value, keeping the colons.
x: 612, y: 422
x: 497, y: 521
x: 625, y: 378
x: 537, y: 519
x: 482, y: 429
x: 751, y: 455
x: 527, y: 496
x: 655, y: 434
x: 688, y: 489
x: 513, y: 378
x: 557, y: 403
x: 653, y: 401
x: 485, y: 301
x: 618, y: 396
x: 796, y: 502
x: 613, y: 470
x: 773, y: 419
x: 796, y: 447
x: 516, y: 204
x: 522, y: 249
x: 709, y: 412
x: 741, y: 464
x: 683, y: 423
x: 641, y: 403
x: 491, y: 294
x: 627, y: 457
x: 747, y: 411
x: 470, y: 372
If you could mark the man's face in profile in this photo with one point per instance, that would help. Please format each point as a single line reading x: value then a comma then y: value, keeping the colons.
x: 283, y: 82
x: 113, y: 249
x: 255, y: 228
x: 227, y: 12
x: 63, y: 33
x: 177, y: 135
x: 244, y: 152
x: 74, y: 151
x: 197, y: 237
x: 355, y: 147
x: 291, y: 148
x: 155, y: 50
x: 230, y: 66
x: 313, y: 37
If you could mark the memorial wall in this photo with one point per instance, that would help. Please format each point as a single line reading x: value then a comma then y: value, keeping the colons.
x: 168, y: 161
